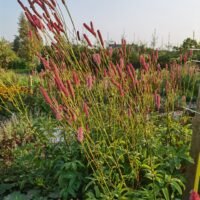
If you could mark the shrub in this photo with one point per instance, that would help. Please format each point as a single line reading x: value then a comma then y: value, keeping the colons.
x: 7, y: 55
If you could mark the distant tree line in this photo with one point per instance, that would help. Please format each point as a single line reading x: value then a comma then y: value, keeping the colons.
x: 22, y: 52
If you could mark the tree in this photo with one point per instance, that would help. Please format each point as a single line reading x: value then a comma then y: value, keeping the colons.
x: 27, y: 44
x: 16, y: 44
x: 189, y: 43
x: 7, y: 55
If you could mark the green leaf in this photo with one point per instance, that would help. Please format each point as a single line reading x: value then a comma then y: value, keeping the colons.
x: 16, y: 196
x: 166, y: 193
x: 97, y: 192
x: 176, y: 186
x: 6, y: 187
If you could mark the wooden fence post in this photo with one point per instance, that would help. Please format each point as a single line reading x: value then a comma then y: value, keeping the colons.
x: 194, y: 152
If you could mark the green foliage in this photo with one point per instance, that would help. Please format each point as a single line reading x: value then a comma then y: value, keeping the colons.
x: 189, y: 43
x: 7, y: 55
x: 153, y: 169
x: 43, y: 167
x: 26, y: 45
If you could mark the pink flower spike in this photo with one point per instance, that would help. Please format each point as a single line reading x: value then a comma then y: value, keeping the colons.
x: 91, y: 25
x: 70, y: 88
x: 89, y: 29
x: 75, y: 79
x: 21, y: 4
x: 100, y: 38
x: 89, y: 82
x: 87, y: 40
x: 142, y: 60
x: 97, y: 58
x: 194, y: 196
x: 157, y: 101
x: 46, y: 96
x: 86, y: 109
x: 80, y: 135
x: 78, y: 36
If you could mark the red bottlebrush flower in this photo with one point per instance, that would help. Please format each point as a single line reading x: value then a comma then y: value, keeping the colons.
x: 132, y: 69
x: 121, y: 63
x: 91, y: 25
x: 158, y: 67
x: 58, y: 116
x: 89, y: 29
x: 35, y: 11
x: 58, y: 81
x: 80, y: 135
x: 97, y: 58
x: 130, y: 74
x: 78, y: 35
x: 21, y: 4
x: 46, y: 96
x: 61, y: 86
x: 121, y: 91
x: 89, y: 82
x: 56, y: 27
x: 110, y: 51
x: 157, y: 101
x: 100, y: 38
x: 87, y: 40
x: 75, y: 78
x: 194, y: 196
x: 44, y: 62
x: 119, y: 70
x: 112, y: 66
x: 38, y: 22
x: 30, y: 19
x: 86, y: 109
x: 58, y: 20
x: 142, y: 60
x: 70, y: 88
x: 146, y: 67
x: 50, y: 27
x: 45, y: 9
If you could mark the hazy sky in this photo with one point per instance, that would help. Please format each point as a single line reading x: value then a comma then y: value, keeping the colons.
x: 134, y: 19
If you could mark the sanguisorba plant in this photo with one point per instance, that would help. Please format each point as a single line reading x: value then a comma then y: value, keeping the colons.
x: 111, y: 108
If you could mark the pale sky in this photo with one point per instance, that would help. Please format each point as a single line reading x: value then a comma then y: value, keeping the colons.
x: 134, y: 19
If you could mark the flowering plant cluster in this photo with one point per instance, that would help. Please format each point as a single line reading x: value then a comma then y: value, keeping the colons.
x: 115, y: 111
